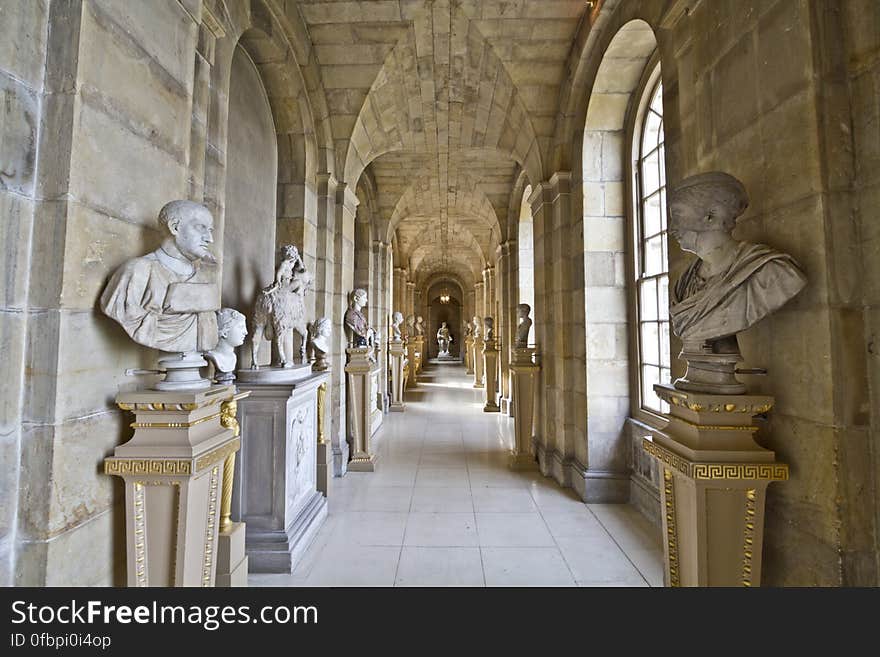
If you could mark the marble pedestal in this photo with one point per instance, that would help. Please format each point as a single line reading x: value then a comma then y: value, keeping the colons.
x: 523, y: 381
x: 469, y: 354
x: 714, y: 480
x: 412, y: 378
x: 173, y: 473
x: 360, y: 408
x: 397, y: 354
x: 490, y: 362
x: 420, y: 353
x: 276, y: 491
x: 478, y: 362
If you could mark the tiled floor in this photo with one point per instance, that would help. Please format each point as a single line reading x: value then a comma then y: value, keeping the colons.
x: 443, y: 509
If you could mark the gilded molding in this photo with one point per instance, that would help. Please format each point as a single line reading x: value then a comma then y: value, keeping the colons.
x: 716, y: 427
x: 209, y: 530
x: 126, y: 406
x: 716, y: 471
x: 671, y: 529
x: 174, y: 425
x: 322, y: 397
x: 748, y: 540
x: 218, y: 454
x: 123, y: 466
x: 140, y: 538
x: 751, y: 409
x: 228, y: 419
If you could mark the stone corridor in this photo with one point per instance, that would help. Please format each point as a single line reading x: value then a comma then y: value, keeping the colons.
x: 443, y: 509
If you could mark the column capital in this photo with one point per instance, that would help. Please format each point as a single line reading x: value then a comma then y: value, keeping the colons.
x: 346, y: 196
x: 547, y: 191
x: 327, y: 184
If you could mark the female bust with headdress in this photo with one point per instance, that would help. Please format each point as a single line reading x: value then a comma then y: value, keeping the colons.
x: 729, y: 288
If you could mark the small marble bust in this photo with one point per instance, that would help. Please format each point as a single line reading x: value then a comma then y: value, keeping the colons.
x: 729, y: 288
x: 468, y: 329
x: 410, y: 326
x: 420, y: 327
x: 320, y: 333
x: 232, y: 329
x: 167, y: 299
x: 489, y: 323
x: 476, y: 328
x: 524, y: 326
x: 357, y: 328
x: 396, y: 321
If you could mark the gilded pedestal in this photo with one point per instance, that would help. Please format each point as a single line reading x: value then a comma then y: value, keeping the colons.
x: 469, y: 354
x: 411, y: 349
x: 277, y: 492
x: 478, y: 362
x: 524, y: 377
x: 714, y: 478
x: 173, y: 473
x: 490, y: 362
x: 420, y: 352
x: 232, y: 560
x: 360, y: 405
x: 398, y: 355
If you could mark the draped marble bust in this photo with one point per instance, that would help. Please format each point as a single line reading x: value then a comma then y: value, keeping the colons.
x: 729, y: 288
x: 167, y: 299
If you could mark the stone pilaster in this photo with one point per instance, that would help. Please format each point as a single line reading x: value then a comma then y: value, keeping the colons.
x: 508, y: 288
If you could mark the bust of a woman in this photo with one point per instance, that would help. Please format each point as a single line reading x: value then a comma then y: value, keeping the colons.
x: 729, y: 288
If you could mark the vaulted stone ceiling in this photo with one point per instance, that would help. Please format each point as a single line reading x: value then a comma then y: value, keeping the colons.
x: 445, y: 101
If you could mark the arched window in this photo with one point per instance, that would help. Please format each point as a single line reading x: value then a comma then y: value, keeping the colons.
x: 651, y: 268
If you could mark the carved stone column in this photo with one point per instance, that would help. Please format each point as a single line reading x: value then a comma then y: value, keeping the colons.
x: 714, y: 479
x: 524, y: 376
x: 359, y: 377
x: 478, y: 362
x: 173, y: 473
x: 490, y: 359
x: 397, y: 353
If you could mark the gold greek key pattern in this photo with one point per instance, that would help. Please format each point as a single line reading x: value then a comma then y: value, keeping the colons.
x: 123, y: 466
x: 218, y: 454
x: 208, y: 561
x: 140, y: 538
x: 763, y: 471
x: 671, y: 529
x: 173, y: 425
x: 751, y: 504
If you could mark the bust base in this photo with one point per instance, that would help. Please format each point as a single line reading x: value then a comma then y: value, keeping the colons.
x: 711, y: 373
x: 275, y: 374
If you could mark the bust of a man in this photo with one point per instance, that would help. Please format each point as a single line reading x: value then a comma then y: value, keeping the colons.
x: 731, y: 286
x: 524, y: 326
x: 410, y: 326
x: 477, y: 329
x: 396, y: 321
x: 320, y: 333
x: 166, y: 299
x: 420, y: 327
x: 489, y: 323
x: 357, y: 328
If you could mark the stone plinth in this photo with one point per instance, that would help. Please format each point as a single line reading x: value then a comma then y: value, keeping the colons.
x: 469, y: 354
x: 360, y: 408
x: 276, y: 491
x: 490, y: 361
x: 523, y: 381
x: 411, y: 349
x: 420, y: 353
x: 714, y: 479
x: 377, y: 414
x: 477, y: 351
x: 173, y: 473
x: 397, y: 354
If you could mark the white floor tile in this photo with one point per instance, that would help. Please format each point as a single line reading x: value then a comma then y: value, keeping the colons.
x: 456, y: 477
x: 441, y: 530
x: 363, y: 566
x: 598, y: 560
x: 513, y: 530
x: 525, y: 567
x: 440, y: 566
x: 503, y: 500
x: 441, y: 499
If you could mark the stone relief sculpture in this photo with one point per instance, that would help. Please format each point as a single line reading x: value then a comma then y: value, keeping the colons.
x: 232, y: 330
x: 420, y: 327
x: 396, y: 321
x: 476, y: 328
x: 166, y: 299
x: 357, y: 328
x: 321, y: 331
x: 489, y: 323
x: 524, y: 326
x: 729, y: 288
x: 280, y: 309
x: 444, y: 339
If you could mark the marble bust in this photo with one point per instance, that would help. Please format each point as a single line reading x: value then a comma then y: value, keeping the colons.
x: 357, y: 328
x: 443, y: 339
x: 420, y: 327
x: 476, y: 328
x: 320, y: 333
x: 232, y: 330
x: 396, y: 321
x: 166, y: 299
x: 489, y: 323
x: 410, y: 326
x: 524, y: 326
x: 729, y: 288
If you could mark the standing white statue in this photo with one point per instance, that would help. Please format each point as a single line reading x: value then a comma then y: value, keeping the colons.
x: 280, y: 309
x: 396, y: 321
x: 167, y: 299
x: 524, y: 326
x: 444, y: 339
x: 232, y: 329
x: 729, y: 288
